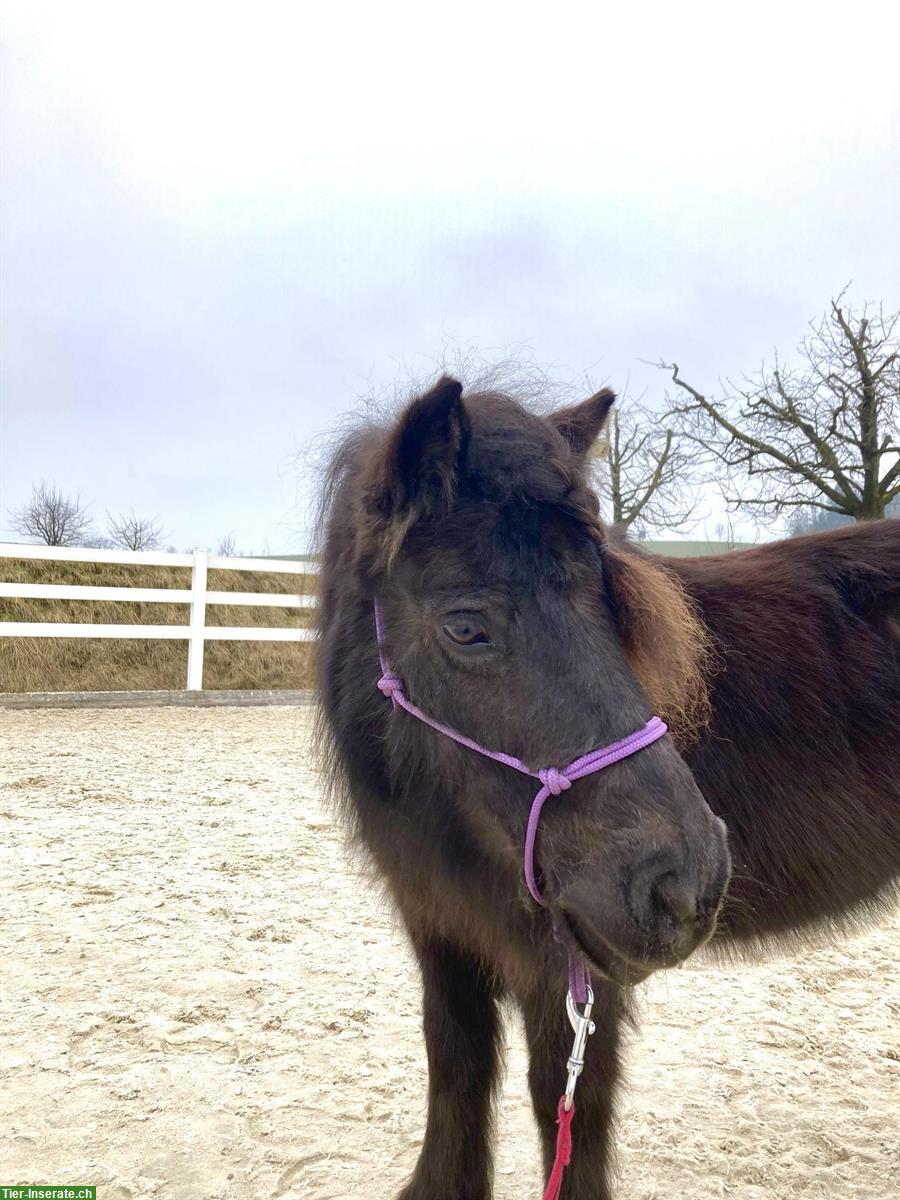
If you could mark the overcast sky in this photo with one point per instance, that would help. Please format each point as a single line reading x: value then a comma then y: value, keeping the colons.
x: 222, y: 225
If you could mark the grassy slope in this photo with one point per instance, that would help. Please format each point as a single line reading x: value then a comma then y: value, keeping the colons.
x: 105, y: 664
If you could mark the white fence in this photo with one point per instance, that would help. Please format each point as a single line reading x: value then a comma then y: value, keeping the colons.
x: 198, y: 596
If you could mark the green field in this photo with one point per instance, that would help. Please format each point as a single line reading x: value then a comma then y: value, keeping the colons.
x: 694, y: 549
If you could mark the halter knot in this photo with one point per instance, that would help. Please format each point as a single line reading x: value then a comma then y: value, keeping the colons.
x: 389, y: 683
x: 554, y: 781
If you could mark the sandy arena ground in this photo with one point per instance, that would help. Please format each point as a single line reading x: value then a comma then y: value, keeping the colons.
x: 202, y: 1001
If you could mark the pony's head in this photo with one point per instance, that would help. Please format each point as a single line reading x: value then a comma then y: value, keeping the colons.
x: 511, y: 616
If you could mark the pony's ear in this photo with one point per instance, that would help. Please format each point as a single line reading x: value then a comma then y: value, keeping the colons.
x: 424, y: 450
x: 581, y: 424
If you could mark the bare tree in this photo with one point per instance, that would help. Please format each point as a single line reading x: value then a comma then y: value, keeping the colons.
x: 227, y: 546
x: 823, y: 435
x: 645, y: 475
x: 814, y: 520
x: 725, y: 533
x: 134, y: 533
x: 52, y: 517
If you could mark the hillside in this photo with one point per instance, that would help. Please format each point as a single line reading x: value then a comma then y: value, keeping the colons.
x: 105, y: 664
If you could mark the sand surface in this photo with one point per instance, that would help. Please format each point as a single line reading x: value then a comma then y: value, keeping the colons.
x: 202, y: 1000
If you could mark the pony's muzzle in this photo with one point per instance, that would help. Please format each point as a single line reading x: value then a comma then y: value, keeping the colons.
x: 673, y: 913
x: 674, y: 898
x: 658, y: 911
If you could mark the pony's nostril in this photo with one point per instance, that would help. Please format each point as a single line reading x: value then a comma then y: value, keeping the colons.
x: 674, y: 900
x: 665, y: 907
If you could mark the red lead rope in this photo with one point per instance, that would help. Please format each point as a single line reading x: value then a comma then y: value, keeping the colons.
x: 563, y: 1149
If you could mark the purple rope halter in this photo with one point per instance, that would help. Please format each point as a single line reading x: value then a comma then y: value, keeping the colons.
x: 553, y: 780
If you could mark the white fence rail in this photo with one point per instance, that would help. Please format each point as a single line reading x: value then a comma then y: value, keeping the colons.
x: 196, y: 633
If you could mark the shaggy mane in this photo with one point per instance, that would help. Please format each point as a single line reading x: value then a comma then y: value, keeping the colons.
x: 668, y: 646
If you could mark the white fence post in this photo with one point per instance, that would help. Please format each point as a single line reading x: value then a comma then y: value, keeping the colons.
x: 197, y: 625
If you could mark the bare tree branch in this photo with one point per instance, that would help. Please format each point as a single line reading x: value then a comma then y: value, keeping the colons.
x: 52, y: 517
x: 134, y: 533
x: 825, y: 434
x: 646, y: 475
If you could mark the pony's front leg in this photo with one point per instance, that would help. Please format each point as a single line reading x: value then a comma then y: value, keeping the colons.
x: 461, y: 1025
x: 550, y: 1038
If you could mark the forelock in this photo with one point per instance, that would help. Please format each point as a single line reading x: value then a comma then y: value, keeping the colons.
x: 516, y: 456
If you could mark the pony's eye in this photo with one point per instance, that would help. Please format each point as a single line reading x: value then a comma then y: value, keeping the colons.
x: 466, y: 630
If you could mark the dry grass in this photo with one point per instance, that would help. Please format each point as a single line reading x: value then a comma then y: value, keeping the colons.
x: 107, y: 664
